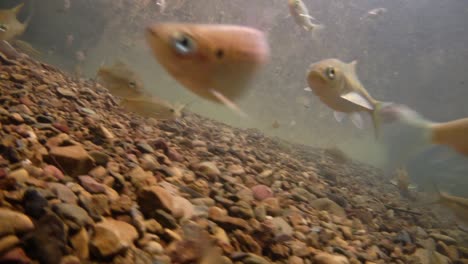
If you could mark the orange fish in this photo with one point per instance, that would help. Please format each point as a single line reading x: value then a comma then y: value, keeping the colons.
x: 337, y: 85
x: 216, y: 62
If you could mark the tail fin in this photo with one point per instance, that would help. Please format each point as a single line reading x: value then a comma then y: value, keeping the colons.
x: 408, y: 133
x: 317, y: 31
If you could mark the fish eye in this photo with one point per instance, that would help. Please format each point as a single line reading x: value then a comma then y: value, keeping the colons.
x: 172, y: 110
x: 132, y: 84
x: 183, y: 43
x: 330, y: 72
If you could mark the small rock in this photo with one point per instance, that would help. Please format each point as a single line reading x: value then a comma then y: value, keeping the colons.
x: 20, y: 175
x: 209, y: 169
x: 91, y: 185
x: 446, y: 239
x: 74, y: 159
x: 63, y: 193
x: 106, y: 242
x: 14, y: 222
x: 66, y: 92
x: 16, y: 256
x: 80, y: 243
x: 53, y: 172
x: 34, y: 203
x: 74, y: 216
x: 325, y: 258
x: 8, y: 242
x: 262, y: 192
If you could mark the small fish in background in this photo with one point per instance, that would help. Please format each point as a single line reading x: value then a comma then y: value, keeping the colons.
x: 146, y: 106
x: 120, y: 80
x: 414, y: 133
x: 69, y: 40
x: 65, y: 7
x: 80, y: 56
x: 376, y: 12
x: 337, y: 85
x: 301, y: 16
x: 337, y: 155
x: 402, y: 182
x: 275, y: 124
x: 215, y: 61
x: 458, y: 205
x: 162, y: 5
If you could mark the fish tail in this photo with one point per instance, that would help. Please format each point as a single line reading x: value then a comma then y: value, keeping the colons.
x: 317, y: 30
x: 406, y: 135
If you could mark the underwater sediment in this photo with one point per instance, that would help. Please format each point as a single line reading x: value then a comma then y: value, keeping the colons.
x: 83, y: 181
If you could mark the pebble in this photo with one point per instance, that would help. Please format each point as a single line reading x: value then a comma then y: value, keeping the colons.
x: 13, y: 222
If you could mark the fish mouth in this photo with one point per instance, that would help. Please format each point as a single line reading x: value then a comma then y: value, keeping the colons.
x: 317, y: 78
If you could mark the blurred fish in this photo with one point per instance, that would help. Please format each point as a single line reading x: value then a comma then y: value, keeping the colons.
x: 120, y: 80
x: 458, y: 205
x: 162, y: 5
x: 275, y: 124
x: 414, y: 133
x: 69, y: 40
x: 337, y: 85
x: 374, y: 13
x: 216, y: 62
x: 402, y: 182
x: 65, y: 7
x: 151, y: 107
x: 300, y: 13
x: 11, y: 26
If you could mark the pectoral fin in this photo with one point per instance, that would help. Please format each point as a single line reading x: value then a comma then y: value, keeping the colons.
x: 308, y: 16
x: 358, y: 99
x: 223, y: 99
x: 356, y: 118
x: 339, y: 116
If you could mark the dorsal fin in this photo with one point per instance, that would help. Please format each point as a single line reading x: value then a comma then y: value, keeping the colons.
x: 15, y: 10
x: 352, y: 66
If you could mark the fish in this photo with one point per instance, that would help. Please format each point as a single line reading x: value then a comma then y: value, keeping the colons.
x: 402, y: 182
x: 458, y: 205
x: 300, y: 13
x: 11, y: 26
x: 152, y: 107
x: 217, y: 62
x: 120, y: 80
x: 337, y: 85
x: 415, y: 133
x: 374, y: 13
x: 275, y: 124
